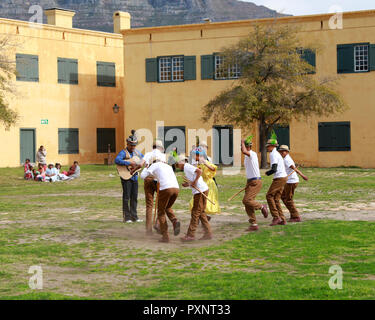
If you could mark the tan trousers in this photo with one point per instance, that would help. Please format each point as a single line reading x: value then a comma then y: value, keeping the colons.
x: 251, y: 191
x: 167, y: 198
x: 150, y: 189
x: 274, y: 195
x: 198, y: 214
x: 287, y: 198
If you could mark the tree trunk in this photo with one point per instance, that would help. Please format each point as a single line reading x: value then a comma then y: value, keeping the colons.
x: 263, y: 136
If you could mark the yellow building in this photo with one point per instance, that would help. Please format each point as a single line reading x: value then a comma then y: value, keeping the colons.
x: 161, y: 77
x: 170, y: 75
x: 67, y: 84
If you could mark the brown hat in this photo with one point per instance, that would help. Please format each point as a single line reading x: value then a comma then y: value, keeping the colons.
x: 284, y: 148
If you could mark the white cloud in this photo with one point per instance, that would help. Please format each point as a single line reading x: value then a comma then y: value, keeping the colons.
x: 305, y: 7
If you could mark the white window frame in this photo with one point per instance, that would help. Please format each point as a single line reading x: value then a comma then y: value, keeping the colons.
x: 171, y: 69
x: 233, y: 71
x: 362, y: 64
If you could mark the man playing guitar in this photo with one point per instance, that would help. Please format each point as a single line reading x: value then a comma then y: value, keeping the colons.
x: 130, y: 160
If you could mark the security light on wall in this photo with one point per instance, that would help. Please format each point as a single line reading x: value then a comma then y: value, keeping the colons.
x: 116, y: 108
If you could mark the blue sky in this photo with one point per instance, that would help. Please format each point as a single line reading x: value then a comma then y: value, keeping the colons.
x: 305, y: 7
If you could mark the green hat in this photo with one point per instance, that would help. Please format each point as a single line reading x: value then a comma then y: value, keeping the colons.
x: 273, y: 140
x: 248, y: 141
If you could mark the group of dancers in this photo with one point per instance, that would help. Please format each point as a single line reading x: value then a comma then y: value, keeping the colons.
x: 160, y: 179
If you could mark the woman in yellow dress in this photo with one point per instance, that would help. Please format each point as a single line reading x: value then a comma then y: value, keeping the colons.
x: 208, y: 173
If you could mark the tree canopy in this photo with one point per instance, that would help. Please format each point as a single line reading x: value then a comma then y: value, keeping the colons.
x: 8, y: 117
x: 276, y: 84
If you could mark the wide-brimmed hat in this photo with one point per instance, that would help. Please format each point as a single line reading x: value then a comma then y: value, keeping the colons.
x: 132, y: 139
x: 284, y: 147
x: 159, y: 144
x: 182, y: 158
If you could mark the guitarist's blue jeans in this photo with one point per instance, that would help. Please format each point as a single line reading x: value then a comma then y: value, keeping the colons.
x: 129, y: 194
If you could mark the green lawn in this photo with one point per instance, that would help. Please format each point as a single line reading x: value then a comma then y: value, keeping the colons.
x: 74, y: 231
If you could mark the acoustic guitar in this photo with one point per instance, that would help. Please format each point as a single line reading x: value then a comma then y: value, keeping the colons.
x: 125, y: 171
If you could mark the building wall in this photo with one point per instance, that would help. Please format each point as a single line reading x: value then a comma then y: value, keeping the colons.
x: 180, y: 104
x: 85, y: 106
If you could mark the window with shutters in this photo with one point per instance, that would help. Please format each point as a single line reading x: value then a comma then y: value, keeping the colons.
x: 361, y: 58
x: 355, y: 58
x: 106, y: 140
x: 230, y: 72
x: 171, y: 69
x: 309, y: 56
x: 68, y: 141
x: 27, y: 67
x: 67, y: 70
x: 106, y: 74
x: 334, y: 136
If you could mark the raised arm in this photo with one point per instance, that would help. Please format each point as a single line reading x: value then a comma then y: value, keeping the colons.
x: 243, y: 149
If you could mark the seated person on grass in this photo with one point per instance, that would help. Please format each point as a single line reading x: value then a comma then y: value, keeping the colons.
x: 28, y: 173
x: 61, y: 176
x: 74, y: 171
x: 51, y: 174
x: 39, y: 174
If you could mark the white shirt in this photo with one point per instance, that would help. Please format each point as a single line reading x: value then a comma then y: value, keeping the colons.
x: 155, y: 153
x: 163, y: 173
x: 275, y: 157
x: 288, y: 161
x: 190, y: 173
x: 252, y: 165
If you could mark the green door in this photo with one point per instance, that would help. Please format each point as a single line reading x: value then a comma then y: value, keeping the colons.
x: 27, y: 145
x: 222, y: 145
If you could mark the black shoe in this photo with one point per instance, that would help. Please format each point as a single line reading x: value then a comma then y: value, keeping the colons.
x: 177, y: 228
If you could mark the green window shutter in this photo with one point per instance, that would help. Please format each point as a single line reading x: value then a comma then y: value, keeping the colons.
x: 207, y: 67
x: 68, y: 141
x: 67, y: 71
x: 345, y: 58
x: 283, y: 134
x: 106, y: 74
x: 190, y: 68
x: 27, y: 67
x: 152, y: 70
x: 105, y: 137
x: 334, y: 136
x: 310, y: 57
x: 372, y: 57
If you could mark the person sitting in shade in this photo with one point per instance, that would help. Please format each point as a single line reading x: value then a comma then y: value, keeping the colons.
x: 51, y: 174
x: 291, y: 184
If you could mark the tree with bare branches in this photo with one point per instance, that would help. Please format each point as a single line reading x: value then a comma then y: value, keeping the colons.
x: 276, y: 84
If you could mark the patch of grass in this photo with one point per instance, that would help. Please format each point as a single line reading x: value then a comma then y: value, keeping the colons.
x: 73, y: 230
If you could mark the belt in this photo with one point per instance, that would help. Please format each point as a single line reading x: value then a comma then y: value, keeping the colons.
x: 252, y: 179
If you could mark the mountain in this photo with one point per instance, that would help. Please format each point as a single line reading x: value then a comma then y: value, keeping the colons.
x: 97, y: 14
